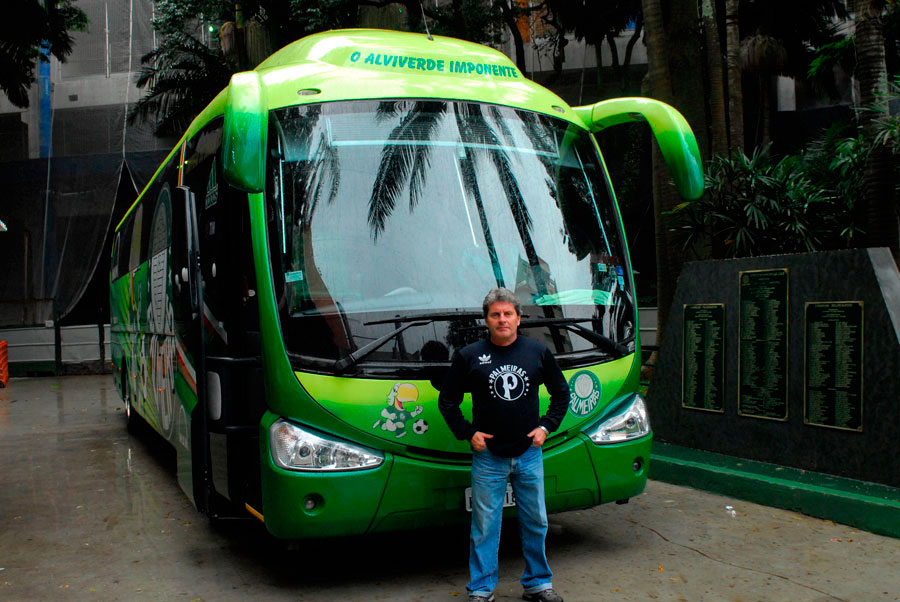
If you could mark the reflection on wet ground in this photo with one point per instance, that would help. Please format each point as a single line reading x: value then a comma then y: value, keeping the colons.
x: 89, y: 512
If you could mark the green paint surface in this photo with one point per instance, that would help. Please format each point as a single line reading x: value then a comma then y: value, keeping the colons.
x: 406, y: 411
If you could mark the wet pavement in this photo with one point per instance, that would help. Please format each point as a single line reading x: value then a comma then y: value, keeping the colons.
x: 89, y: 512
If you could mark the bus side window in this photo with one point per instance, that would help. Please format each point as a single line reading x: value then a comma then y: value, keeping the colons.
x: 148, y: 202
x: 124, y: 245
x: 114, y: 260
x: 136, y: 229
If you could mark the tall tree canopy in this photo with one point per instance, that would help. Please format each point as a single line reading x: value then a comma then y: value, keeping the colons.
x: 38, y: 24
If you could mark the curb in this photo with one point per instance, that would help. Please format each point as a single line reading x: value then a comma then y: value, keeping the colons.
x: 870, y: 506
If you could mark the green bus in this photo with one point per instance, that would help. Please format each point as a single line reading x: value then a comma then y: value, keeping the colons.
x: 287, y: 291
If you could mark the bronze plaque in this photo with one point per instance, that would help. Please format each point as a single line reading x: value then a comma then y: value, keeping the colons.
x: 833, y: 367
x: 763, y: 345
x: 703, y: 357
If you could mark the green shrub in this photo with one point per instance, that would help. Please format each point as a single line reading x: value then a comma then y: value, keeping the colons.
x: 762, y: 205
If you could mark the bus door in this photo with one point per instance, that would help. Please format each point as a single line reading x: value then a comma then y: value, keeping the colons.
x: 228, y: 331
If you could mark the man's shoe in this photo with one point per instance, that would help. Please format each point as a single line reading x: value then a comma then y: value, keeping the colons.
x: 545, y: 595
x: 480, y: 598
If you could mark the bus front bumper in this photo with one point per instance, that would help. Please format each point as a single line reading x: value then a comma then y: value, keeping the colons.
x: 409, y: 493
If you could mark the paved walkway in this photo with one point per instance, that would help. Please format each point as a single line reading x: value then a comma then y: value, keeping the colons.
x: 88, y: 512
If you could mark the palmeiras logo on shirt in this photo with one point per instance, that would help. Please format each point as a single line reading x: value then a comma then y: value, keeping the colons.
x: 585, y: 388
x: 509, y: 382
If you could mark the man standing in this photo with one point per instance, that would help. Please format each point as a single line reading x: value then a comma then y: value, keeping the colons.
x: 503, y: 374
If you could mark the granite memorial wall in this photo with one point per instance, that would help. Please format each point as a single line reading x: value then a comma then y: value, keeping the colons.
x: 789, y: 359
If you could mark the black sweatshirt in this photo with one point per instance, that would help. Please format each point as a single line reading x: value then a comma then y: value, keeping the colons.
x: 504, y: 384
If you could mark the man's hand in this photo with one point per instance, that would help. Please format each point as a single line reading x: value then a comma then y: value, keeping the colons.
x: 478, y: 440
x: 538, y: 436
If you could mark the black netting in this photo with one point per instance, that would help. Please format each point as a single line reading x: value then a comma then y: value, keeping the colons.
x: 77, y: 221
x: 88, y: 131
x: 22, y: 210
x: 60, y: 211
x: 89, y: 54
x: 13, y: 137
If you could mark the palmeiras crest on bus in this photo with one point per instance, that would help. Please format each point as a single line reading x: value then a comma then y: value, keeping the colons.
x: 586, y: 390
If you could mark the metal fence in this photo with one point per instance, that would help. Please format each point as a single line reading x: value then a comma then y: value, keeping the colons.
x: 47, y: 349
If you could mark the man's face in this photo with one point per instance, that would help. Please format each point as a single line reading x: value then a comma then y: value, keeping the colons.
x: 502, y: 322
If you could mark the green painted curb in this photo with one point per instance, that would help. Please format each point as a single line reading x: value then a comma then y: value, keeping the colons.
x: 870, y: 506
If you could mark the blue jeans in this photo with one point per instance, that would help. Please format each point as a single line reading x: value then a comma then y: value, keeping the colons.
x: 489, y: 474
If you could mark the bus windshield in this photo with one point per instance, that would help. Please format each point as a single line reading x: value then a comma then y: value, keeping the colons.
x: 390, y: 220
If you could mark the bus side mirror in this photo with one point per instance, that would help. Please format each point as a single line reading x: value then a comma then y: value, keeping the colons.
x: 673, y: 134
x: 244, y: 132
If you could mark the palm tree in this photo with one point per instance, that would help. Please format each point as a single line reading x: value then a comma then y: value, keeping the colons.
x: 718, y: 138
x: 403, y: 161
x: 659, y: 83
x: 183, y: 75
x: 871, y: 74
x: 733, y: 76
x: 477, y: 134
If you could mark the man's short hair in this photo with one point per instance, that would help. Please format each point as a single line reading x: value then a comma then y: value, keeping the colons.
x: 503, y: 295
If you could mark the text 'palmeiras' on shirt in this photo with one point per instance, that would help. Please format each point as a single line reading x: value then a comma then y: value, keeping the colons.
x: 508, y: 382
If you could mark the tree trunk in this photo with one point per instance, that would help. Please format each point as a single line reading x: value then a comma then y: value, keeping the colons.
x: 767, y: 109
x: 258, y: 41
x: 735, y: 97
x: 629, y: 49
x: 659, y: 79
x: 687, y: 94
x: 512, y: 23
x: 718, y: 124
x: 658, y: 84
x: 878, y: 199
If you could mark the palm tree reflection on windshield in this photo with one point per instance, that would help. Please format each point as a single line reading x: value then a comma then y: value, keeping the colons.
x: 404, y: 162
x: 402, y: 159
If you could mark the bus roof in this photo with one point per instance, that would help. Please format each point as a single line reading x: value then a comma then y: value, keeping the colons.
x: 370, y: 63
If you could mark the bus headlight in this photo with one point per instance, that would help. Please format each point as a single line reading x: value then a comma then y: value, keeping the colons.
x: 632, y: 422
x: 295, y: 448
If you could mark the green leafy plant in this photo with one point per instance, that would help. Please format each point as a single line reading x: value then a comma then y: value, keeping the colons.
x: 763, y: 205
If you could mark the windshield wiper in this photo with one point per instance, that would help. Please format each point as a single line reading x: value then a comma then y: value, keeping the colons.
x: 408, y: 322
x: 435, y: 317
x: 573, y: 325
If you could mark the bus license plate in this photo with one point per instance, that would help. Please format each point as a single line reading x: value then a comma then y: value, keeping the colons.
x: 508, y: 500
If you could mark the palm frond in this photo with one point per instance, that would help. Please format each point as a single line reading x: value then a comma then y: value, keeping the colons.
x: 403, y: 161
x: 183, y: 75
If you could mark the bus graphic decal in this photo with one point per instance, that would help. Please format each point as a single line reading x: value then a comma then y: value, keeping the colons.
x: 402, y: 408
